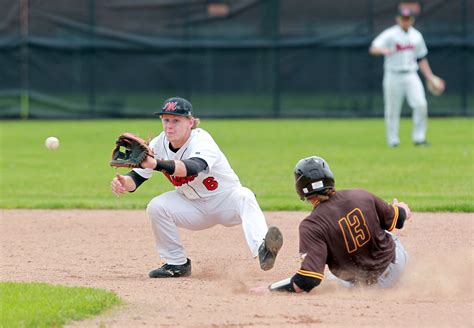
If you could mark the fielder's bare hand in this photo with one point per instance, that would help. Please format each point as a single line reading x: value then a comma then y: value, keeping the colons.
x: 121, y: 184
x: 404, y: 206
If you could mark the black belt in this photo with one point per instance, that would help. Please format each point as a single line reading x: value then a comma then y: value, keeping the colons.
x: 401, y: 72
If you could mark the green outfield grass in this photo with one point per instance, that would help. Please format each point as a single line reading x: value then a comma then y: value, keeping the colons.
x: 43, y: 305
x: 262, y: 152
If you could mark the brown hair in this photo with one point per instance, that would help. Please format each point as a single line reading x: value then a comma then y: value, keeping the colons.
x: 317, y: 198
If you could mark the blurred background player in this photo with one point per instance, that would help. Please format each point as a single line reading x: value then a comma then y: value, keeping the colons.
x: 207, y: 192
x: 405, y: 51
x: 348, y: 230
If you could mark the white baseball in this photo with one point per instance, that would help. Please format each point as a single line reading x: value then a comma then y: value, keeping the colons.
x: 52, y: 143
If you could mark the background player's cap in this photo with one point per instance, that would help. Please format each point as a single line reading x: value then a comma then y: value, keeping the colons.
x: 176, y: 106
x: 405, y: 12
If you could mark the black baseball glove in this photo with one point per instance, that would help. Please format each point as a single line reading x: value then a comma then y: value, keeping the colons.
x: 130, y: 151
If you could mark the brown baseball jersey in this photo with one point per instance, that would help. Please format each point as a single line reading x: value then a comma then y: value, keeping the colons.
x: 348, y: 233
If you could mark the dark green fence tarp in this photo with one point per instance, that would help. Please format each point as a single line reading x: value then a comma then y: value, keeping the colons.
x: 241, y: 58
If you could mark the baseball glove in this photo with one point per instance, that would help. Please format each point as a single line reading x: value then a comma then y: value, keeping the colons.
x: 435, y: 85
x: 135, y: 151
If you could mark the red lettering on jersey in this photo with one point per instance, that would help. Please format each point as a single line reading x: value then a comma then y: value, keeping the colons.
x: 170, y: 106
x: 400, y: 47
x: 179, y: 181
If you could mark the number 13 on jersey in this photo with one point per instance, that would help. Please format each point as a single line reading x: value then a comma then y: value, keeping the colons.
x: 355, y: 230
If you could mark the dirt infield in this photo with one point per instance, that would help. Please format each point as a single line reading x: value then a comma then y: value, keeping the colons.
x: 114, y: 250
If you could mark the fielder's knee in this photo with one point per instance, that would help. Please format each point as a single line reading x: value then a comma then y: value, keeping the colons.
x: 421, y: 107
x: 156, y: 207
x: 247, y: 194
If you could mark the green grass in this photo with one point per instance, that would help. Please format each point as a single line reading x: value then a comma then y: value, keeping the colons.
x: 43, y: 305
x: 262, y: 152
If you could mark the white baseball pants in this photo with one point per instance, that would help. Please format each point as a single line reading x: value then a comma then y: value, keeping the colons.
x: 394, y: 271
x: 397, y: 87
x: 171, y: 210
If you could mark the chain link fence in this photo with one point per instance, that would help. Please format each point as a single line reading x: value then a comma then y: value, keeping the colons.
x: 241, y: 58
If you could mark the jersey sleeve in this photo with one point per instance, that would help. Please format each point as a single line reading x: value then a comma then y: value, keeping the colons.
x: 382, y: 40
x: 421, y: 50
x: 313, y: 251
x: 387, y: 213
x: 204, y: 147
x: 144, y: 173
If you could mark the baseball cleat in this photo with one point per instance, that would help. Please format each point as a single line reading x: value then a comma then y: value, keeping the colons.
x: 422, y: 143
x: 172, y: 271
x: 270, y: 247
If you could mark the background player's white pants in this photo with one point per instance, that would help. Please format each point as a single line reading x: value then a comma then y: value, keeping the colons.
x: 171, y: 210
x: 393, y: 272
x: 397, y: 87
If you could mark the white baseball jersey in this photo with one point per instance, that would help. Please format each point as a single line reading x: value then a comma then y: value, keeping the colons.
x: 213, y: 196
x: 407, y: 47
x: 218, y: 176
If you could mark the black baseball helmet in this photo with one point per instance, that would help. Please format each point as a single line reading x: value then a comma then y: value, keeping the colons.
x: 313, y: 176
x: 176, y: 106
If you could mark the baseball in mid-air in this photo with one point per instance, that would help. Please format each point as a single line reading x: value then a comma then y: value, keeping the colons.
x: 52, y: 143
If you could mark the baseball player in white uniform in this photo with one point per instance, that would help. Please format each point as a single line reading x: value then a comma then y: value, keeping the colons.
x: 207, y: 192
x: 405, y: 51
